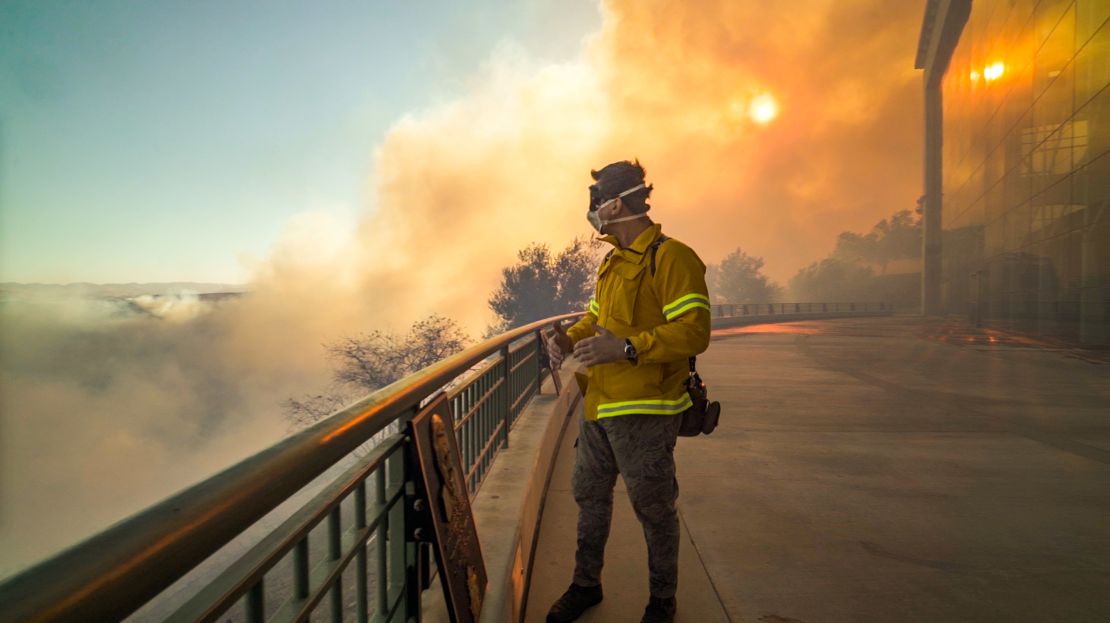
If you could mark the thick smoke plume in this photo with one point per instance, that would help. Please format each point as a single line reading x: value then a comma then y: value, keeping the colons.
x: 461, y: 187
x: 105, y: 412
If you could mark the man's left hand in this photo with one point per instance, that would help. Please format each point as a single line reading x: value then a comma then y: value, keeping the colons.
x: 601, y: 348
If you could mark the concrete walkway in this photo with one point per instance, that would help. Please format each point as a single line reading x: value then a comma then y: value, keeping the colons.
x: 885, y: 469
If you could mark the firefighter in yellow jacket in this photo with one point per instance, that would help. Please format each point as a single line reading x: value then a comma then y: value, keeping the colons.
x: 649, y: 315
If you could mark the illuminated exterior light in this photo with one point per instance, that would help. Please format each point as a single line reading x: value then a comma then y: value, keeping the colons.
x: 994, y: 71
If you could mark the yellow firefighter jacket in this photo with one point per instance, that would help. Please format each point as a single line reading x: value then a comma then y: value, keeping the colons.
x: 666, y: 317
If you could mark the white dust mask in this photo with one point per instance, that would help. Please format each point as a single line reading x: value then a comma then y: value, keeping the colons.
x: 594, y: 215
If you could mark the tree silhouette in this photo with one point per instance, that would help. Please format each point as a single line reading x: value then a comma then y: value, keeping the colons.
x: 540, y: 284
x: 370, y: 361
x: 832, y: 280
x: 739, y: 278
x: 889, y: 240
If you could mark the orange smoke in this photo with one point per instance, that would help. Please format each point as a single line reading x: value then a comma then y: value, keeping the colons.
x: 457, y: 189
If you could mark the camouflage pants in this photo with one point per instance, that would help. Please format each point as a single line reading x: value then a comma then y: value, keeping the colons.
x: 641, y: 449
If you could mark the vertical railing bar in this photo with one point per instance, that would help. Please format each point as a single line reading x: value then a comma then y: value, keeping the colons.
x: 256, y: 602
x: 480, y: 432
x: 508, y: 390
x: 467, y: 426
x: 474, y: 431
x: 477, y: 424
x: 495, y: 404
x: 487, y: 409
x: 464, y: 430
x: 468, y: 431
x: 300, y: 568
x: 518, y: 387
x: 361, y: 596
x: 470, y: 424
x: 539, y: 365
x: 335, y: 547
x: 506, y: 403
x: 483, y: 422
x: 398, y: 572
x: 382, y: 533
x: 460, y: 427
x: 483, y: 434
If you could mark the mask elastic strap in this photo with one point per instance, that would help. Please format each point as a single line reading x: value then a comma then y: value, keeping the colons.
x: 623, y: 219
x: 631, y: 190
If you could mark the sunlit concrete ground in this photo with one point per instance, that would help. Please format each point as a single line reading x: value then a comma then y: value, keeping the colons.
x: 876, y: 470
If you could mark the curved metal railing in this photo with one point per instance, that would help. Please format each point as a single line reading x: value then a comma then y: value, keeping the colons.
x: 114, y: 573
x: 363, y: 510
x: 734, y: 310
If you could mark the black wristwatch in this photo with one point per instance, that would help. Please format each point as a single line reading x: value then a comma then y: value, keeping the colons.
x: 629, y: 351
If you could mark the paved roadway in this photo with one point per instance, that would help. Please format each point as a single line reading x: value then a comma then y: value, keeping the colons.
x: 881, y: 470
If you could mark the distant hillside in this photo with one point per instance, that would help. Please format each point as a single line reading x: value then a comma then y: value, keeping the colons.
x: 117, y: 290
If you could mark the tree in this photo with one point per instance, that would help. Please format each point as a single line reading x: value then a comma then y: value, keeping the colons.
x: 373, y: 360
x: 856, y: 248
x: 312, y: 408
x: 739, y: 279
x: 889, y: 240
x: 540, y: 285
x: 847, y: 274
x: 831, y: 280
x: 901, y: 238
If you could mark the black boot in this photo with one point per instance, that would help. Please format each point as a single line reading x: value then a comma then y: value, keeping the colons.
x: 573, y: 603
x: 659, y: 610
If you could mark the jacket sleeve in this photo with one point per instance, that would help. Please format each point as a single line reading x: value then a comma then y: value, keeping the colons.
x: 680, y: 285
x: 584, y: 328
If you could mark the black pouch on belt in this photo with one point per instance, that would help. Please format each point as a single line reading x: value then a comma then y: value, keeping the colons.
x: 702, y: 417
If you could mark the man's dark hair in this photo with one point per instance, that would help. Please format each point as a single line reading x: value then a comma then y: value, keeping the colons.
x: 615, y: 178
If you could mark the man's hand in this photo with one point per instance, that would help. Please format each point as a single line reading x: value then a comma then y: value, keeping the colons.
x: 602, y: 348
x: 558, y: 345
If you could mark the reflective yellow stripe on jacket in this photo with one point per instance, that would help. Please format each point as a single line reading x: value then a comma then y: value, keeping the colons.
x: 646, y: 406
x: 683, y: 304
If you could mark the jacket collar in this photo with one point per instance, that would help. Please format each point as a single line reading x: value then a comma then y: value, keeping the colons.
x: 640, y: 245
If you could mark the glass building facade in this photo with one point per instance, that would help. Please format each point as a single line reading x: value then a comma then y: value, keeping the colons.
x: 1025, y: 169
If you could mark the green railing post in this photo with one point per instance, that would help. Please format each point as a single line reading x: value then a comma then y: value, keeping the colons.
x: 382, y: 538
x: 335, y: 550
x: 507, y: 403
x: 256, y: 603
x: 539, y: 361
x: 362, y: 599
x: 411, y: 540
x: 397, y: 466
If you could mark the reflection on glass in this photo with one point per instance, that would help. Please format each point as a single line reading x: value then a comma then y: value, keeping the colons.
x: 1027, y: 171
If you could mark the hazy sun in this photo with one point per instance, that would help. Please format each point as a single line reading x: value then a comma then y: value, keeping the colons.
x: 763, y: 109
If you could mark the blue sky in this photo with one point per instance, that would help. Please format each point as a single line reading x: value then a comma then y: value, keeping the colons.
x: 164, y: 141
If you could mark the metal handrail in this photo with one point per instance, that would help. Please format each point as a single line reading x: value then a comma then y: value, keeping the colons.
x: 734, y: 310
x: 113, y: 573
